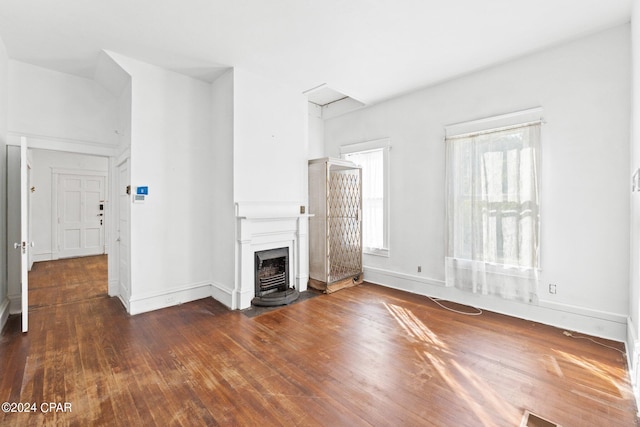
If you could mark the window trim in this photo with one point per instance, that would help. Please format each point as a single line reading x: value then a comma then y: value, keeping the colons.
x: 383, y: 144
x: 494, y: 123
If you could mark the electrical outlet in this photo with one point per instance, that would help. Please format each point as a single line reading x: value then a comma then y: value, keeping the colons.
x: 419, y: 269
x: 552, y: 288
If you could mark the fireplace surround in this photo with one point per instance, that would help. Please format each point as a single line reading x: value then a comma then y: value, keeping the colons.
x: 262, y: 226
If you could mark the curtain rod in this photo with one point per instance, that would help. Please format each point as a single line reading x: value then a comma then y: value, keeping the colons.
x: 494, y: 130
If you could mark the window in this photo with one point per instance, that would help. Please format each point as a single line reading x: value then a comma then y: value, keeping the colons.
x: 372, y: 156
x: 493, y: 211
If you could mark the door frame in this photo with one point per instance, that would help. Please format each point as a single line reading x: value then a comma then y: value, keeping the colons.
x: 115, y: 286
x: 55, y: 232
x: 41, y: 142
x: 25, y: 243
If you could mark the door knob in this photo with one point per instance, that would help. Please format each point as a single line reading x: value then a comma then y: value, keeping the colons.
x: 23, y: 246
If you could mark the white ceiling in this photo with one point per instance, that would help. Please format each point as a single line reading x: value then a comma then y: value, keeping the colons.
x: 367, y: 49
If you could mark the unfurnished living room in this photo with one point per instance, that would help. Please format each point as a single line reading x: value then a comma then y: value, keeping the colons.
x: 302, y: 212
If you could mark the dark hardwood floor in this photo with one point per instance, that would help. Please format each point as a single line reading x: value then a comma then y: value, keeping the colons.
x: 67, y: 281
x: 363, y: 356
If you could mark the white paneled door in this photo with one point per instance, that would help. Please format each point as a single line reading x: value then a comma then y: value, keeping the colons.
x: 24, y: 246
x: 80, y: 217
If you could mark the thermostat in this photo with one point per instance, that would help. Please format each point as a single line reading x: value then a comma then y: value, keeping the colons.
x: 141, y: 193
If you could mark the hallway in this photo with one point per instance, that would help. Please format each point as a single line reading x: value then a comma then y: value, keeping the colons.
x: 67, y: 281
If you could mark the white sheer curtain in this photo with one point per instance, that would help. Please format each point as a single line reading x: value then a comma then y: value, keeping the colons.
x: 493, y: 212
x: 372, y: 163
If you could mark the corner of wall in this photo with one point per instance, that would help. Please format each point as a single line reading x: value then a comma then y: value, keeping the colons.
x: 4, y: 99
x: 633, y: 345
x: 633, y: 359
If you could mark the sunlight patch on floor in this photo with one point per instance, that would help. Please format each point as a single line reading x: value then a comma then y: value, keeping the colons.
x: 414, y: 326
x: 483, y: 401
x: 478, y: 395
x: 611, y: 376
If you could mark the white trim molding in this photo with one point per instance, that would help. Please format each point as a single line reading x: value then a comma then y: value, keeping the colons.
x: 112, y: 287
x: 602, y: 324
x: 15, y: 303
x: 374, y: 144
x: 494, y: 122
x: 262, y: 226
x: 633, y: 358
x: 4, y: 312
x: 170, y: 297
x: 63, y: 144
x: 42, y: 256
x: 222, y: 294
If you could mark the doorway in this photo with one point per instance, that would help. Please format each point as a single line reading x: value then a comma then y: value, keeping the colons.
x: 78, y: 213
x: 69, y: 227
x: 68, y: 219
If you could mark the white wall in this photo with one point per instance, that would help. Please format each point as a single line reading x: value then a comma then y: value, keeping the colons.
x: 115, y: 80
x: 42, y: 165
x: 4, y: 88
x: 171, y: 153
x: 55, y: 105
x: 316, y: 132
x: 223, y: 220
x: 584, y: 89
x: 270, y: 141
x: 13, y: 227
x: 124, y: 120
x: 633, y: 334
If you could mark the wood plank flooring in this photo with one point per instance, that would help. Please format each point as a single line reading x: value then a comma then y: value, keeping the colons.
x: 67, y: 280
x: 363, y: 356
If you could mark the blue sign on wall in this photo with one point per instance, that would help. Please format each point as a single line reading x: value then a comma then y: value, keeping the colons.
x: 142, y: 190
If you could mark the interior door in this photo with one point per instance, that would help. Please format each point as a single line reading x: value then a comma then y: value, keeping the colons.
x: 80, y: 220
x: 24, y: 245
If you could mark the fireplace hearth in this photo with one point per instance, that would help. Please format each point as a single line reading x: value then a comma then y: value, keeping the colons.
x: 272, y: 278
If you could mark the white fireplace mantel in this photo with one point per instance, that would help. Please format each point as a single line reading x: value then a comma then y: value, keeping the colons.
x: 269, y: 225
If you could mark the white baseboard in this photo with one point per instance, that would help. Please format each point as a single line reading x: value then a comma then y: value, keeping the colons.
x: 222, y: 294
x: 408, y: 281
x: 15, y: 303
x: 633, y: 358
x: 4, y: 313
x: 112, y: 288
x: 42, y: 257
x: 124, y: 303
x: 123, y: 295
x: 580, y: 319
x: 157, y: 300
x: 301, y: 283
x: 633, y: 345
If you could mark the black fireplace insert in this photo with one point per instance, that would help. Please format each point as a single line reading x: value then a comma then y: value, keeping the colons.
x: 272, y: 278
